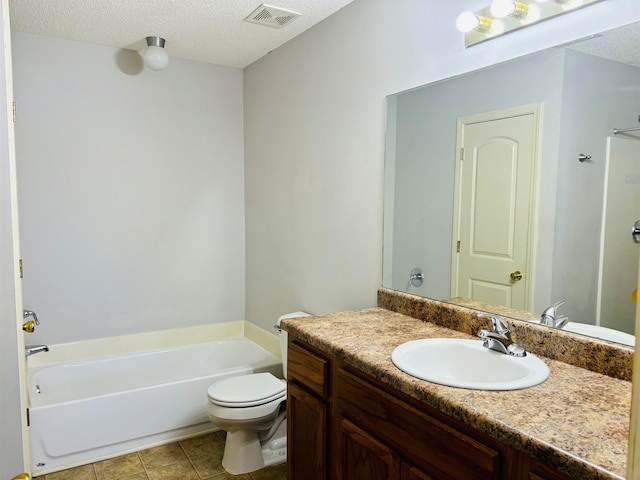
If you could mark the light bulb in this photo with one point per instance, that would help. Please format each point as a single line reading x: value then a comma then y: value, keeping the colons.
x: 509, y: 8
x: 468, y: 21
x: 155, y: 56
x: 502, y: 8
x: 533, y: 15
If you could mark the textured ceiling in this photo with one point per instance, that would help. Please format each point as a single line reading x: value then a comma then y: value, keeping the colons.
x: 211, y: 31
x: 620, y: 44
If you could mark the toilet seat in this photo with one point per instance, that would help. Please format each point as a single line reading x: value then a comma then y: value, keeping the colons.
x: 247, y: 390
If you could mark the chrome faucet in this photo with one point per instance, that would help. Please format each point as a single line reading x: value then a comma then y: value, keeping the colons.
x: 499, y: 338
x: 31, y: 349
x: 550, y: 319
x: 30, y: 313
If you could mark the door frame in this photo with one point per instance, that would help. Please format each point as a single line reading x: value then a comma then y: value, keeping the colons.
x: 535, y: 109
x: 14, y: 374
x: 633, y: 454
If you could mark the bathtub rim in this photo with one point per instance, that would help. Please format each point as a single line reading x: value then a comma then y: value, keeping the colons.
x: 154, y: 340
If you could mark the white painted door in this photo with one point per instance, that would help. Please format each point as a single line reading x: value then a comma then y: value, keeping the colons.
x: 14, y: 455
x: 495, y: 194
x: 618, y: 254
x: 633, y: 456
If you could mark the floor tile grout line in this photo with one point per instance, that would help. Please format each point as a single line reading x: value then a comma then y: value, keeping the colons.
x: 144, y: 467
x: 190, y: 461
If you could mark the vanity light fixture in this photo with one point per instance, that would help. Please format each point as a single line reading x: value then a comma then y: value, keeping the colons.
x: 509, y: 8
x: 469, y: 21
x: 503, y: 16
x: 155, y: 56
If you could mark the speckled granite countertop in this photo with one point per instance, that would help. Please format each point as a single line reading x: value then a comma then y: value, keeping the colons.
x: 576, y: 421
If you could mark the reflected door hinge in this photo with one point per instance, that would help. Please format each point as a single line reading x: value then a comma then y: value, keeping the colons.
x: 20, y: 261
x: 458, y: 246
x: 462, y: 153
x: 28, y: 419
x: 13, y: 111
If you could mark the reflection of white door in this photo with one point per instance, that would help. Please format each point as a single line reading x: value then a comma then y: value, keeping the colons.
x: 618, y: 254
x: 495, y: 203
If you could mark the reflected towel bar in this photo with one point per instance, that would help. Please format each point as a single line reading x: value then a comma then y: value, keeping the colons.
x: 616, y: 131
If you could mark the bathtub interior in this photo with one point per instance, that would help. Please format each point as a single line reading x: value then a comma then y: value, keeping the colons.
x: 106, y: 406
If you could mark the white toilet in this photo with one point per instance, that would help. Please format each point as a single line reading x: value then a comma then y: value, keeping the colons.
x: 251, y: 409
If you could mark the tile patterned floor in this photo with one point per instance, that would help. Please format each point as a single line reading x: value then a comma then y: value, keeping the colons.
x: 196, y: 458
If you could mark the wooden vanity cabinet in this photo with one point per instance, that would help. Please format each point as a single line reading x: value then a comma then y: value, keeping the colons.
x: 346, y: 425
x: 307, y: 413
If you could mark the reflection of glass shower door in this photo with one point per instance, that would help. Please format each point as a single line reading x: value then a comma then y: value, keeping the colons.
x: 618, y: 254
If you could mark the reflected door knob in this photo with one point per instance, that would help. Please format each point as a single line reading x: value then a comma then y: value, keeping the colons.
x: 516, y: 276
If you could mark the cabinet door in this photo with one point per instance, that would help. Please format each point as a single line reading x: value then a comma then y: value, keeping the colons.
x: 543, y: 472
x: 306, y: 435
x: 436, y: 447
x: 409, y: 472
x: 360, y: 456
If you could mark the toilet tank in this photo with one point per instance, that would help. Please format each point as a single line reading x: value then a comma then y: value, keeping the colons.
x: 284, y: 336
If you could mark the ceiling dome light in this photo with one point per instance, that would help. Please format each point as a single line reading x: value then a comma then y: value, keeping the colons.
x: 155, y: 56
x: 509, y: 8
x: 469, y: 21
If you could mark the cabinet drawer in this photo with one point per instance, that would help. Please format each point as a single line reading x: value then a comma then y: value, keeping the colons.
x: 308, y: 369
x: 543, y: 472
x: 438, y: 449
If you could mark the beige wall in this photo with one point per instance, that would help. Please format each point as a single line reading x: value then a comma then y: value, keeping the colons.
x: 314, y: 139
x: 130, y: 187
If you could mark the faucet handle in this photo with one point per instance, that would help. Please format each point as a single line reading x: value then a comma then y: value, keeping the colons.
x: 500, y: 325
x: 30, y: 313
x: 551, y: 310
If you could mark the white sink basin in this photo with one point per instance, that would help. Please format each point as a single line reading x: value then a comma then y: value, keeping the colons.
x: 601, y: 332
x: 467, y: 364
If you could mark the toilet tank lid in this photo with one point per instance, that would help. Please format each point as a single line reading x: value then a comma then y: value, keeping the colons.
x: 293, y: 315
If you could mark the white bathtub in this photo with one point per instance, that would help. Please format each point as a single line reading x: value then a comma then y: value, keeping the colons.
x: 82, y: 411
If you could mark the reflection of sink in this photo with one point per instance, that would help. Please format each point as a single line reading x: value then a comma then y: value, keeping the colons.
x: 601, y: 332
x: 467, y: 364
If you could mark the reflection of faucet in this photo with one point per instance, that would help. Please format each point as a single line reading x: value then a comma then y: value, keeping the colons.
x: 549, y: 318
x: 31, y: 349
x: 499, y: 339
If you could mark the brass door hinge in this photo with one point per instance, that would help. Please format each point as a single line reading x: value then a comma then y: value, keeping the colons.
x: 13, y: 111
x: 21, y: 273
x: 462, y: 153
x: 458, y: 246
x: 28, y: 419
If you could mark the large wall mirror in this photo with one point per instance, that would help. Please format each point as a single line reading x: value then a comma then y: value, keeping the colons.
x: 518, y: 185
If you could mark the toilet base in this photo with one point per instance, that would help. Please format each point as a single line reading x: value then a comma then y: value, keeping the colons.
x: 244, y: 452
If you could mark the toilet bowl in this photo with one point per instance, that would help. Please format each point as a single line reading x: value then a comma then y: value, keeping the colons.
x: 251, y: 409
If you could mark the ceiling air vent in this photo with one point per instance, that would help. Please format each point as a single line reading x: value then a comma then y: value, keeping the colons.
x: 272, y: 16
